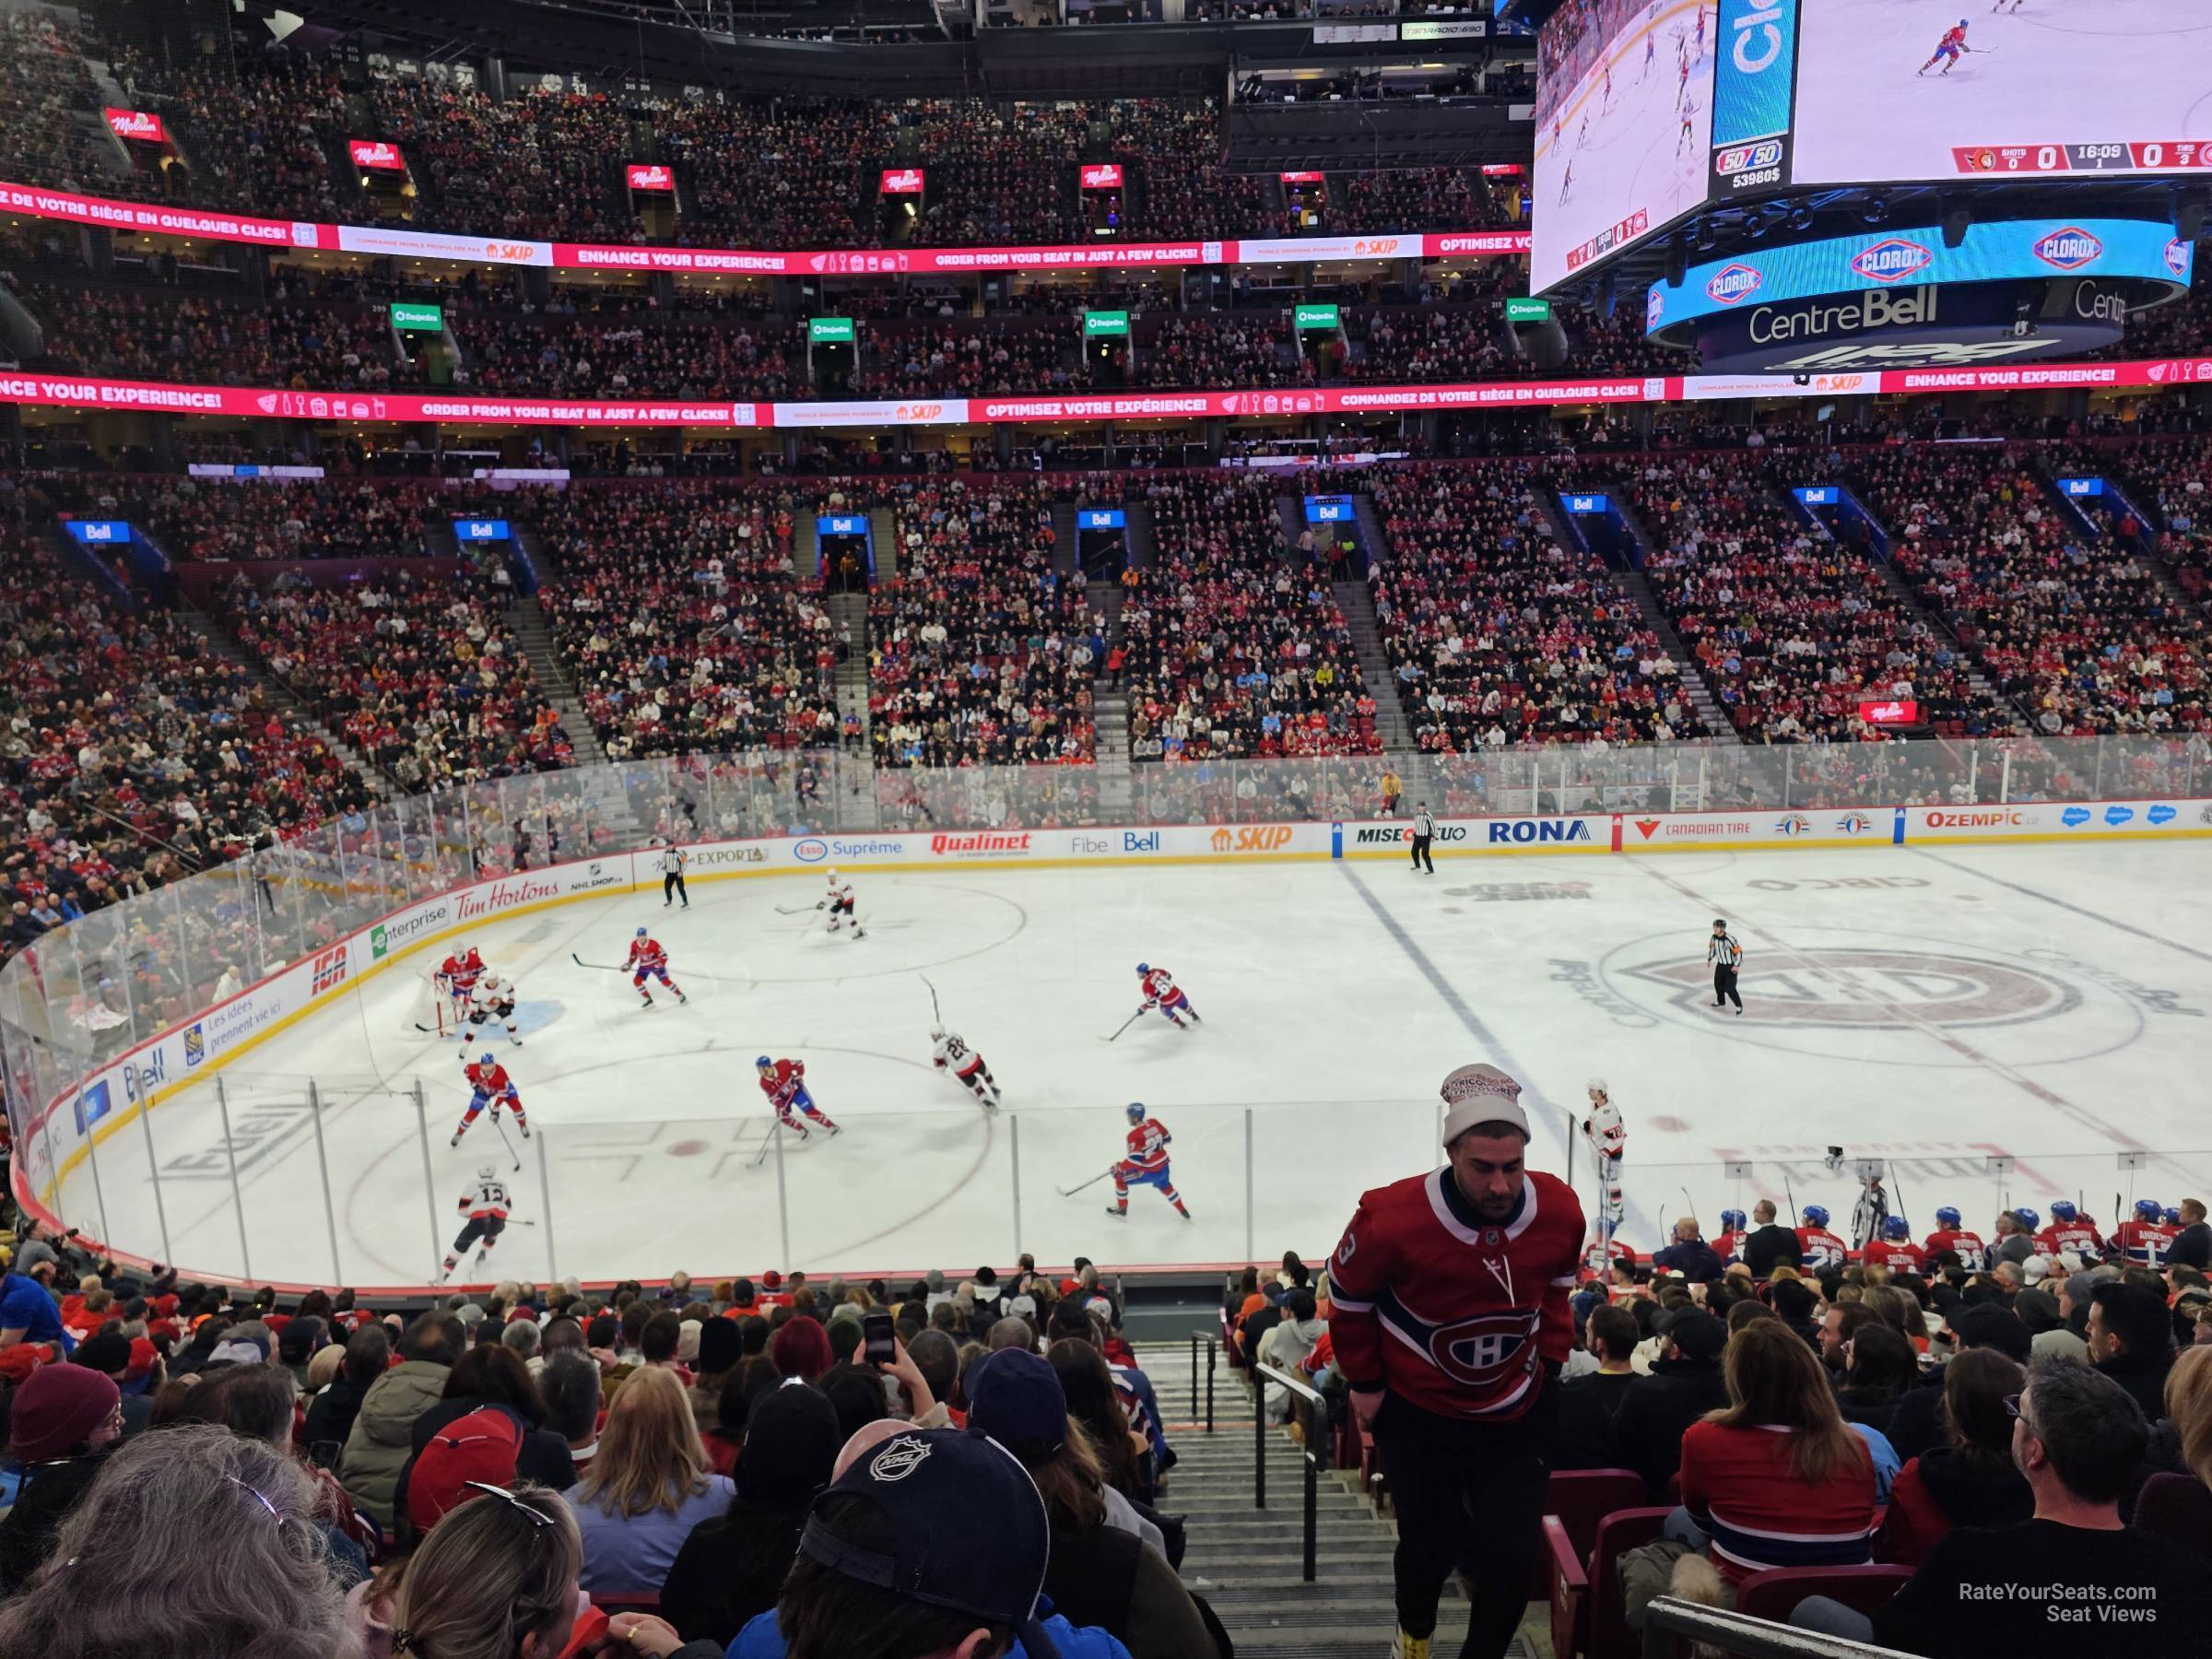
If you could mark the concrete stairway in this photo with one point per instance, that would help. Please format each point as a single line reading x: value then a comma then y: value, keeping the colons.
x: 1067, y: 545
x: 1143, y: 545
x: 1359, y: 607
x: 1292, y: 511
x: 528, y: 620
x: 223, y: 644
x: 1247, y: 1561
x: 857, y: 811
x: 883, y: 531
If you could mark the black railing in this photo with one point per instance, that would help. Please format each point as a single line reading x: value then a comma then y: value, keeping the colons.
x: 1739, y: 1633
x: 1204, y: 1339
x: 1314, y: 1416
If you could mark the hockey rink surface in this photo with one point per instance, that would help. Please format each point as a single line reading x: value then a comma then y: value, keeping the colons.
x: 2056, y: 72
x: 1938, y: 1010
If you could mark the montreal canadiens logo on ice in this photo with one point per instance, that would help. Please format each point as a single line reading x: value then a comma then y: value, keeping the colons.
x: 1893, y: 259
x: 2068, y: 248
x: 1733, y: 283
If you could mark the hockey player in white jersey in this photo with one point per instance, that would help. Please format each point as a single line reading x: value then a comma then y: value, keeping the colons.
x: 1608, y: 1140
x: 485, y: 1203
x: 491, y: 1002
x: 954, y: 1055
x: 838, y: 901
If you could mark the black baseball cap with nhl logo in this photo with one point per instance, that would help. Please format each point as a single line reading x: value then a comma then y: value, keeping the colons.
x: 971, y: 1529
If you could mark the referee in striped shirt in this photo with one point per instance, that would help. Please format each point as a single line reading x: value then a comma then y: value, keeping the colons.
x: 1726, y: 956
x: 1424, y: 832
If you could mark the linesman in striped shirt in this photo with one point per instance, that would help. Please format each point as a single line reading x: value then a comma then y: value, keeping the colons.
x: 1726, y: 956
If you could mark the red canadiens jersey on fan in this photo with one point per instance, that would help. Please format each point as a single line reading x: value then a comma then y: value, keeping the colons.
x: 488, y: 1079
x: 1821, y: 1248
x: 1973, y: 1256
x: 647, y: 953
x: 2078, y: 1235
x: 1454, y: 1314
x: 782, y: 1080
x: 460, y: 972
x: 1900, y: 1256
x: 1149, y: 1145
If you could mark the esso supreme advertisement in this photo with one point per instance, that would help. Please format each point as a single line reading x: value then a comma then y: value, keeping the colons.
x: 1906, y: 89
x: 1624, y: 121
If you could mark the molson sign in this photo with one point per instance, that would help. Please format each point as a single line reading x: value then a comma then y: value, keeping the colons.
x: 651, y: 177
x: 1895, y: 712
x: 901, y: 180
x: 375, y: 154
x: 1103, y: 175
x: 136, y: 123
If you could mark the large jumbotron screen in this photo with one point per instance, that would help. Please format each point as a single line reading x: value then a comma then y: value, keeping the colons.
x: 2038, y: 86
x: 1624, y: 117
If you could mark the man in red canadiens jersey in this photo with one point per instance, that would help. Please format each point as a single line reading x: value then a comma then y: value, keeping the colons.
x: 1448, y: 1296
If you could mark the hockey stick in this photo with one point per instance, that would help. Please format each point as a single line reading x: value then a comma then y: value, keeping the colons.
x: 936, y: 1014
x: 604, y: 967
x: 804, y: 910
x: 506, y: 1143
x: 1692, y: 1203
x: 1792, y: 1196
x: 1125, y: 1025
x: 1900, y: 1200
x: 1071, y: 1191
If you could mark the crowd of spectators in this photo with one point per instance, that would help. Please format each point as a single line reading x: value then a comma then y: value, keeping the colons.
x: 678, y: 612
x: 133, y: 755
x: 258, y: 134
x: 419, y: 672
x: 970, y: 360
x: 1236, y: 651
x: 979, y: 650
x: 47, y: 102
x: 1497, y: 634
x: 1223, y: 350
x: 519, y: 1468
x: 2177, y: 476
x: 142, y: 334
x: 1791, y: 629
x: 267, y: 519
x: 2077, y: 629
x: 589, y: 356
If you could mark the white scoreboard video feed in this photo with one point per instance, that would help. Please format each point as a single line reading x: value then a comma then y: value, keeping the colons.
x: 1624, y: 119
x: 1926, y: 90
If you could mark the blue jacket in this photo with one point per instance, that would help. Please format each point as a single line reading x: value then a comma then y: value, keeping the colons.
x: 762, y: 1640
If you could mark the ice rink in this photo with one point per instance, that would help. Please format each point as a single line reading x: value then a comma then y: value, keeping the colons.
x: 1938, y: 1008
x: 1626, y: 151
x: 2054, y: 72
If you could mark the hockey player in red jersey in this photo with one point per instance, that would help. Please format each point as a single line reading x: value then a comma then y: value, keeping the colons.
x: 1449, y: 1311
x: 1951, y: 1234
x: 650, y: 960
x: 1729, y: 1246
x: 1161, y: 991
x: 2148, y: 1236
x: 784, y: 1084
x: 489, y: 1085
x: 2069, y: 1229
x: 1948, y: 50
x: 1819, y: 1247
x: 460, y: 970
x: 1146, y: 1164
x: 1895, y: 1249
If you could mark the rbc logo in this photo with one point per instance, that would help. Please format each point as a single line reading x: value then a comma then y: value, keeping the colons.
x: 2068, y: 248
x: 1734, y: 283
x: 1890, y: 259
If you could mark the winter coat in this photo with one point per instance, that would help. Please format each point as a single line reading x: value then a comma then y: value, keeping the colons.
x: 384, y: 1434
x: 762, y: 1640
x: 1940, y: 1490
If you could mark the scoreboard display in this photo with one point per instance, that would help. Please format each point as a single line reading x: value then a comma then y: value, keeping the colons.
x: 1899, y: 90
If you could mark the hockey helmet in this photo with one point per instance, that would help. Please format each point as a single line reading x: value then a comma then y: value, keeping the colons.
x: 1948, y: 1216
x: 2149, y: 1209
x: 1597, y: 1089
x: 763, y: 1063
x: 1144, y: 967
x: 486, y: 1171
x: 1893, y: 1227
x: 2029, y: 1219
x: 937, y: 1033
x: 485, y: 1059
x: 2061, y: 1210
x: 640, y: 933
x: 831, y: 875
x: 2174, y: 1216
x: 1733, y: 1220
x: 1134, y: 1111
x: 1816, y: 1214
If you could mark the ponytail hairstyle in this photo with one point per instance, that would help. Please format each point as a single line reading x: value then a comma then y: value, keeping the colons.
x: 496, y: 1572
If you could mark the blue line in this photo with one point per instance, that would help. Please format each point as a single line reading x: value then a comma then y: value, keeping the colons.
x: 1495, y: 1051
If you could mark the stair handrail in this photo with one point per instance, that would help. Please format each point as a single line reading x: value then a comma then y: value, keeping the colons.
x: 1314, y: 1410
x: 1213, y: 1351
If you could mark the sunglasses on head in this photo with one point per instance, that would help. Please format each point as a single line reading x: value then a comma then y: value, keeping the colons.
x: 537, y: 1516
